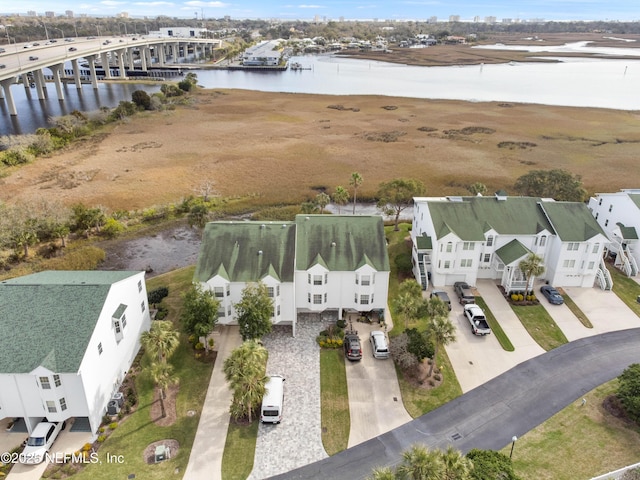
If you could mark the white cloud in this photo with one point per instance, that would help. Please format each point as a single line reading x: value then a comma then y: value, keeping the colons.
x: 198, y: 3
x: 154, y: 4
x: 311, y: 6
x: 112, y: 3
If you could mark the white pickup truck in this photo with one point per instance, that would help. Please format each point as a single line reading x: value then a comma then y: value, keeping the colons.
x: 478, y: 321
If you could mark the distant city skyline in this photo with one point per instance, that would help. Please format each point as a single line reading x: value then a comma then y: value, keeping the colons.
x: 547, y: 10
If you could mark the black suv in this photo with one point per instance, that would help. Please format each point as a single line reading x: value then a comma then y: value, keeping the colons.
x: 465, y: 295
x: 352, y: 347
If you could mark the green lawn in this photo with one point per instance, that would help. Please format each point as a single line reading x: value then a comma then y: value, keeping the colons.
x: 626, y: 288
x: 237, y: 460
x: 580, y: 315
x: 578, y: 442
x: 496, y: 329
x: 334, y: 401
x: 540, y: 325
x: 138, y: 430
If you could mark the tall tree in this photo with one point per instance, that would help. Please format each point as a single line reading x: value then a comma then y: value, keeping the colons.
x: 489, y: 464
x: 531, y: 266
x: 558, y: 184
x: 408, y: 300
x: 397, y: 195
x: 419, y: 463
x: 322, y: 200
x: 160, y: 341
x: 382, y: 473
x: 199, y: 311
x: 245, y: 369
x: 162, y: 376
x: 441, y: 332
x: 355, y: 181
x: 629, y: 391
x: 456, y: 465
x: 340, y: 197
x: 254, y: 311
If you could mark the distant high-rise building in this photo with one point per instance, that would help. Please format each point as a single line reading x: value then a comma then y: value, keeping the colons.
x: 476, y: 19
x: 454, y: 18
x: 69, y: 13
x: 489, y: 19
x: 50, y: 14
x: 432, y: 20
x: 507, y: 20
x: 31, y: 13
x: 342, y: 19
x: 123, y: 15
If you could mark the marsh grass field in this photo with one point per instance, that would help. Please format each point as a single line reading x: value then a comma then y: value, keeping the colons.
x: 278, y: 148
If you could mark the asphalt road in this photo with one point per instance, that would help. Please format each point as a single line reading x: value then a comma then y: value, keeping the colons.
x: 488, y: 416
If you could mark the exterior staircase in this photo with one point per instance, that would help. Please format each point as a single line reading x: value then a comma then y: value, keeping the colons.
x: 603, y: 277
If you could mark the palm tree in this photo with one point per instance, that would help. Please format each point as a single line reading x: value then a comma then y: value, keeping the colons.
x: 340, y: 197
x: 408, y: 301
x: 162, y: 376
x: 355, y: 181
x: 456, y: 465
x: 382, y: 473
x: 418, y: 463
x: 161, y: 340
x: 442, y: 332
x: 245, y: 369
x: 531, y: 266
x: 322, y: 200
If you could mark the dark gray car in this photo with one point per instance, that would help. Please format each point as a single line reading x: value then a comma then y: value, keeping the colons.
x: 444, y: 296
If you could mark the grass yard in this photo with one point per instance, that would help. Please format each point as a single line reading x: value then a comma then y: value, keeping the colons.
x: 626, y: 288
x: 540, y: 325
x: 575, y: 309
x: 334, y: 401
x: 138, y: 430
x: 496, y: 329
x: 237, y: 461
x: 578, y: 442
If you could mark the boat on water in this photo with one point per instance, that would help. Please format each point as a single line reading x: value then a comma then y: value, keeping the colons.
x: 298, y: 66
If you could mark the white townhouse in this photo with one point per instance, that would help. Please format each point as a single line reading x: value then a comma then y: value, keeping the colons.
x: 67, y: 339
x: 619, y: 216
x: 264, y: 54
x: 469, y: 238
x: 324, y: 264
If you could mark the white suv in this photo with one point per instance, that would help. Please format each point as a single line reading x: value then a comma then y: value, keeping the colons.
x: 40, y: 441
x: 379, y: 344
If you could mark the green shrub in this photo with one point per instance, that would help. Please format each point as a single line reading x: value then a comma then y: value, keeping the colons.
x: 341, y: 323
x: 101, y: 438
x: 83, y: 258
x: 112, y: 228
x: 17, y: 156
x: 113, y: 425
x: 199, y: 346
x: 157, y: 294
x: 403, y: 263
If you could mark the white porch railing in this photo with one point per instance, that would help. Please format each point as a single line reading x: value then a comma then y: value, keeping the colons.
x: 603, y: 277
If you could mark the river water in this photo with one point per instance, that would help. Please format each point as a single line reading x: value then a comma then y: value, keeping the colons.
x: 582, y: 82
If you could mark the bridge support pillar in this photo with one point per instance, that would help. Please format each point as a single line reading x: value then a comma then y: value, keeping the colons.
x: 56, y: 69
x: 38, y: 79
x: 122, y: 72
x: 8, y: 98
x: 132, y: 65
x: 76, y: 73
x: 92, y: 69
x: 105, y: 65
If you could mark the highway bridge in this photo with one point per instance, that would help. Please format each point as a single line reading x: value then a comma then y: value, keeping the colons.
x: 105, y: 57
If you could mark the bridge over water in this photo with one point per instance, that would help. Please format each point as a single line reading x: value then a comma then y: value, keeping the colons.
x: 106, y: 58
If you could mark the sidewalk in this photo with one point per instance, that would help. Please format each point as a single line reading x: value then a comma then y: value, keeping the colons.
x: 205, y: 461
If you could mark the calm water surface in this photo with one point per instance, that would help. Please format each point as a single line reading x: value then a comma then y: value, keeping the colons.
x: 580, y: 82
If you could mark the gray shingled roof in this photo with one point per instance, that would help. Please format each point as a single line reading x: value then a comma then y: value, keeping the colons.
x: 344, y: 242
x: 48, y: 318
x: 232, y: 249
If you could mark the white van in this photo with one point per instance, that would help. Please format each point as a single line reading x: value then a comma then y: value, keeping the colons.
x: 379, y: 346
x: 272, y: 402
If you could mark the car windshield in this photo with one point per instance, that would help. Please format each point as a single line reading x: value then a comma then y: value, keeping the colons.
x: 35, y: 441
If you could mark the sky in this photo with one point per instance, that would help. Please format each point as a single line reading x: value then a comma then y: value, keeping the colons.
x: 548, y: 10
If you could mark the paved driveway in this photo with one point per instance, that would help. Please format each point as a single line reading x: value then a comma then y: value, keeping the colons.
x: 375, y: 403
x: 477, y: 360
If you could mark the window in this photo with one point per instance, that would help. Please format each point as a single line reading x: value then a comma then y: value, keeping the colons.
x: 221, y: 312
x: 569, y: 263
x: 543, y: 240
x: 218, y: 292
x: 56, y: 380
x: 449, y: 246
x: 44, y: 383
x: 597, y: 215
x: 229, y: 310
x: 355, y: 298
x: 124, y: 321
x: 366, y: 280
x: 116, y: 325
x: 317, y: 299
x: 309, y: 278
x: 573, y: 246
x: 466, y: 262
x: 447, y: 264
x: 51, y: 406
x: 317, y: 279
x: 277, y: 290
x: 325, y: 298
x: 100, y: 348
x: 372, y: 298
x: 364, y: 299
x: 490, y: 241
x: 139, y: 286
x: 606, y: 223
x: 610, y: 207
x: 273, y: 312
x: 591, y: 265
x: 270, y: 291
x: 228, y: 290
x: 600, y: 202
x: 142, y: 307
x: 308, y: 298
x: 278, y: 310
x: 487, y: 257
x: 63, y: 404
x: 357, y: 279
x: 467, y: 245
x: 326, y: 278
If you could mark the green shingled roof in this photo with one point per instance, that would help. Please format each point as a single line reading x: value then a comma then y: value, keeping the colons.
x: 635, y: 198
x: 424, y: 242
x: 471, y: 217
x: 572, y: 221
x: 47, y: 318
x: 512, y: 251
x: 344, y: 242
x: 628, y: 233
x: 232, y: 249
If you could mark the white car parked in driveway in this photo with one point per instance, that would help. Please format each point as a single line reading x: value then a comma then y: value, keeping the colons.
x: 40, y: 441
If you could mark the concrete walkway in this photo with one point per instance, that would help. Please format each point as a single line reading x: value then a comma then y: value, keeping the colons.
x: 375, y: 402
x: 205, y: 461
